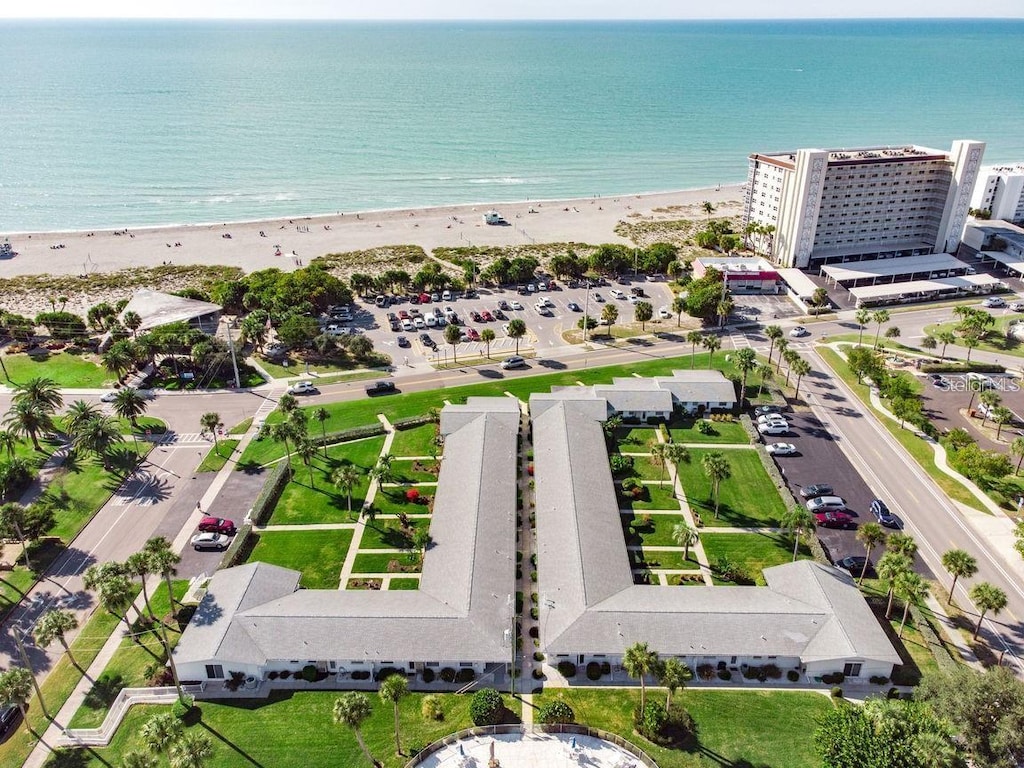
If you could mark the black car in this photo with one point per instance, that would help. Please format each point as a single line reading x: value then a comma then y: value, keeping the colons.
x: 816, y: 490
x: 883, y: 515
x: 426, y: 341
x: 502, y: 304
x: 499, y: 315
x: 403, y: 341
x: 396, y: 326
x: 8, y: 717
x: 380, y: 388
x: 763, y: 410
x: 855, y: 565
x: 573, y: 306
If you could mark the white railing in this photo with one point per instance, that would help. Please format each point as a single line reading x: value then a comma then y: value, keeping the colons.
x: 126, y: 698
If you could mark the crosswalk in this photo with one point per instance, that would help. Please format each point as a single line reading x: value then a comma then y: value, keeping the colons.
x: 182, y: 438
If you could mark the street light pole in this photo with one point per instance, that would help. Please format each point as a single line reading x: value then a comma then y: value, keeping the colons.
x: 234, y: 362
x: 586, y: 317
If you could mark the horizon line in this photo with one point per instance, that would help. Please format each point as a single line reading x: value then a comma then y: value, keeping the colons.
x: 514, y: 19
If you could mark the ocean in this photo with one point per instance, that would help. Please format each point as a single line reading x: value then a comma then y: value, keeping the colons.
x: 110, y: 124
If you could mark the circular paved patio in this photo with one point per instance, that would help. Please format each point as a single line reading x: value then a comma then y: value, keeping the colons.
x: 532, y: 750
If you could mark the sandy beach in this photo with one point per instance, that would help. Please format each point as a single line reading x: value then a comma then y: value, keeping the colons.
x: 289, y: 243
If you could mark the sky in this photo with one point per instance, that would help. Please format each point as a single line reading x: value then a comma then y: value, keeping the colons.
x: 510, y: 9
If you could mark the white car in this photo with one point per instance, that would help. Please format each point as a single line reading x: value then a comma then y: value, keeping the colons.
x: 767, y: 418
x: 419, y: 322
x: 993, y: 302
x: 515, y: 305
x: 664, y: 313
x: 513, y: 362
x: 799, y: 331
x: 635, y: 299
x: 617, y: 294
x: 774, y: 428
x: 407, y: 325
x: 109, y: 397
x: 301, y: 388
x: 1017, y: 306
x: 431, y: 321
x: 781, y: 449
x: 215, y: 541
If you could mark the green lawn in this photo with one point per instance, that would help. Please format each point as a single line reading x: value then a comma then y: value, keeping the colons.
x: 377, y: 562
x: 67, y: 371
x: 132, y: 663
x: 406, y: 471
x: 751, y: 729
x: 672, y: 561
x: 418, y: 441
x: 299, y: 368
x: 397, y: 584
x: 685, y: 431
x: 362, y: 412
x: 635, y: 439
x: 654, y: 497
x: 218, y: 456
x: 747, y: 498
x: 751, y: 551
x: 996, y: 339
x: 393, y: 501
x: 295, y: 730
x: 241, y: 427
x: 318, y: 554
x: 654, y: 530
x: 325, y: 503
x: 647, y: 468
x: 387, y: 534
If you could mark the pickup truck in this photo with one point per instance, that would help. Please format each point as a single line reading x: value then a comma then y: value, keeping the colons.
x: 380, y: 388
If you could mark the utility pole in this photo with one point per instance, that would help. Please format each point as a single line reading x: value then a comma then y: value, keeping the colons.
x: 586, y: 309
x: 234, y: 362
x: 24, y: 660
x: 6, y: 374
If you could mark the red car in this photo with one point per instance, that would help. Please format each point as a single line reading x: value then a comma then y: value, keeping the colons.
x: 217, y: 525
x: 424, y: 298
x: 832, y: 519
x: 472, y: 335
x: 486, y: 316
x: 403, y: 315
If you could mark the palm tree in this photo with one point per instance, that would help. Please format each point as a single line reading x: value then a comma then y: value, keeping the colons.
x: 870, y: 535
x: 393, y: 688
x: 487, y: 336
x: 114, y: 587
x: 642, y: 312
x: 161, y: 731
x: 710, y: 343
x: 8, y: 443
x: 516, y: 330
x: 1017, y: 449
x: 659, y: 452
x: 610, y: 314
x: 987, y: 597
x: 958, y: 563
x: 912, y: 588
x: 136, y: 759
x: 117, y: 359
x: 863, y: 317
x: 78, y: 413
x: 639, y: 661
x: 12, y: 518
x: 16, y: 689
x: 322, y: 415
x: 129, y: 404
x: 797, y: 521
x: 287, y: 404
x: 944, y: 338
x: 745, y: 361
x: 282, y: 432
x: 1001, y: 415
x: 783, y: 347
x: 892, y: 566
x: 162, y: 560
x: 672, y: 674
x: 716, y: 468
x: 53, y: 625
x: 352, y: 709
x: 723, y: 309
x: 902, y: 544
x: 98, y: 436
x: 210, y: 422
x: 132, y: 321
x: 694, y: 338
x: 677, y: 453
x: 42, y: 393
x: 140, y: 564
x: 990, y: 400
x: 765, y: 373
x: 192, y: 750
x: 801, y: 368
x: 679, y: 306
x: 685, y: 535
x: 345, y: 477
x: 307, y: 452
x: 881, y: 317
x: 774, y: 333
x: 708, y: 207
x: 453, y: 335
x: 24, y: 419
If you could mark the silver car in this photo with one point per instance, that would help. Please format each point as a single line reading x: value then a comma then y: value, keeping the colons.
x: 215, y: 541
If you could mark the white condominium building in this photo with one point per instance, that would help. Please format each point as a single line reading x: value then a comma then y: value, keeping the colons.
x: 836, y: 205
x: 1000, y: 192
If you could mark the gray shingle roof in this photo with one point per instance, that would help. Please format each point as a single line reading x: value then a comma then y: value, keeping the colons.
x: 622, y: 398
x: 156, y: 309
x: 698, y: 386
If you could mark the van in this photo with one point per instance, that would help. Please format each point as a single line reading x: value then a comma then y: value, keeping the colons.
x: 824, y: 503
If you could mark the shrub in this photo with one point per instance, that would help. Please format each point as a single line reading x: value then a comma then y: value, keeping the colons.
x: 285, y: 674
x: 486, y: 707
x: 772, y: 671
x: 893, y: 693
x: 833, y: 678
x: 182, y: 707
x: 465, y: 675
x: 359, y: 674
x: 538, y: 656
x: 879, y: 680
x: 557, y: 712
x: 567, y: 669
x: 724, y: 674
x: 751, y: 673
x: 705, y: 671
x: 309, y: 673
x: 430, y: 708
x: 412, y: 496
x: 793, y: 676
x: 606, y: 668
x: 651, y: 720
x: 704, y: 427
x: 382, y: 673
x: 593, y: 671
x: 428, y: 675
x: 836, y: 692
x: 275, y: 483
x: 620, y: 464
x: 448, y: 675
x: 629, y: 485
x: 538, y: 674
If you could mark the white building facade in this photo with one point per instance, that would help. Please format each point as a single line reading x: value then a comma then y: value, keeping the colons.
x: 1000, y: 192
x: 835, y: 205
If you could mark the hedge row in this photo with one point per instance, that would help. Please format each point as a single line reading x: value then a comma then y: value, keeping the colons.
x: 370, y: 430
x: 413, y: 421
x: 946, y: 662
x: 238, y: 551
x: 271, y: 492
x: 963, y: 367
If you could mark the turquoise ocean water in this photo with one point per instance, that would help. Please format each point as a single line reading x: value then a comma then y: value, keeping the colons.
x: 106, y: 124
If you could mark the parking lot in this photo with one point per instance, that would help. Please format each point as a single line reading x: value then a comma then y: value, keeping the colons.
x: 946, y: 403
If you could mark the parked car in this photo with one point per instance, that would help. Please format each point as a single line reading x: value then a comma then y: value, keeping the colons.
x: 207, y: 541
x: 499, y: 315
x: 855, y: 565
x: 822, y: 503
x: 396, y: 326
x: 446, y: 295
x: 993, y: 302
x: 515, y: 305
x: 403, y: 341
x: 217, y: 525
x: 775, y: 428
x: 513, y: 362
x: 419, y: 322
x: 403, y: 315
x: 302, y: 388
x: 980, y: 380
x: 831, y: 518
x: 799, y: 331
x: 431, y: 321
x: 426, y: 341
x: 472, y: 334
x: 664, y: 313
x: 574, y: 307
x: 883, y: 515
x: 767, y: 418
x: 382, y: 301
x: 486, y: 316
x: 8, y: 717
x: 502, y: 304
x: 938, y: 380
x: 475, y: 317
x: 407, y: 325
x: 815, y: 490
x: 380, y: 388
x: 599, y: 298
x: 617, y: 294
x: 1017, y: 306
x: 781, y: 449
x: 109, y: 397
x: 764, y: 410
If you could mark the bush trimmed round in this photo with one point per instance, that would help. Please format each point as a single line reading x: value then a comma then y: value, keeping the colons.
x: 486, y: 707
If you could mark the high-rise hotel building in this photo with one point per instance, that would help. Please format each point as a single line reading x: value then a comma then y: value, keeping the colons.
x: 836, y: 205
x: 1000, y: 192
